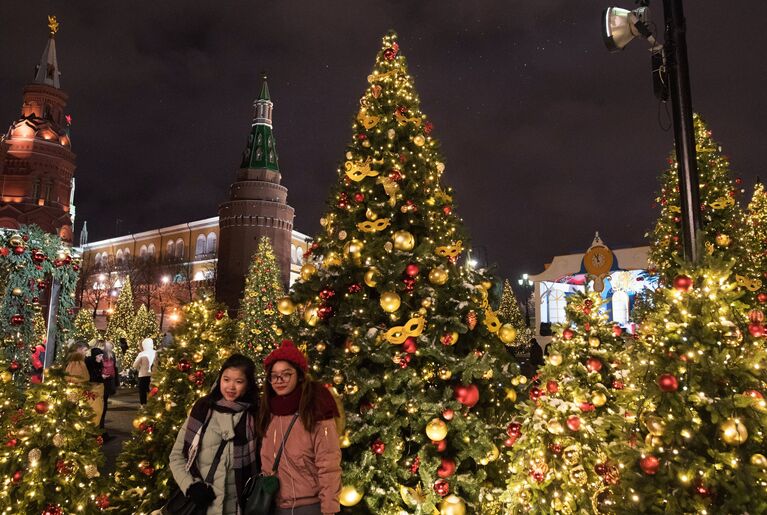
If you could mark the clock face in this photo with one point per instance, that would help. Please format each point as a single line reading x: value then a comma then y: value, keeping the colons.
x: 598, y: 261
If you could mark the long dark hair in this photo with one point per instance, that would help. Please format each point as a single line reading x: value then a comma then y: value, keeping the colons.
x: 306, y: 413
x: 244, y: 364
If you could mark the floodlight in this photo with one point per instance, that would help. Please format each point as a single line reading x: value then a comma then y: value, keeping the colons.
x: 620, y: 26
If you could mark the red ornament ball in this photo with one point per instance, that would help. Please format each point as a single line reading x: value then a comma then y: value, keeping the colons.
x: 682, y: 282
x: 441, y: 445
x: 14, y: 366
x: 52, y: 509
x: 441, y: 487
x: 412, y: 270
x: 756, y: 315
x: 355, y: 288
x: 762, y: 297
x: 410, y: 345
x: 649, y: 464
x: 447, y: 468
x: 415, y: 465
x: 148, y: 471
x: 467, y: 395
x: 594, y: 364
x: 18, y: 250
x: 17, y: 319
x: 756, y: 330
x: 99, y: 440
x: 41, y: 407
x: 220, y: 315
x: 102, y: 501
x: 555, y: 448
x: 447, y: 210
x: 587, y: 326
x: 378, y: 447
x: 17, y: 476
x: 574, y: 422
x: 327, y: 293
x: 568, y: 334
x: 618, y: 385
x: 184, y: 365
x: 538, y: 475
x: 514, y: 429
x: 755, y: 394
x: 448, y: 414
x: 535, y: 393
x: 587, y: 406
x: 510, y: 441
x: 11, y: 442
x: 600, y: 468
x: 552, y: 386
x: 359, y: 197
x: 702, y: 490
x: 617, y: 330
x: 4, y: 251
x: 668, y: 383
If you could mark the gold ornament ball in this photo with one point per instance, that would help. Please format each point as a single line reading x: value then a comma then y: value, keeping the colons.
x: 136, y: 423
x: 351, y: 388
x: 440, y: 167
x: 507, y: 334
x: 6, y: 376
x: 655, y: 425
x: 403, y: 240
x: 285, y: 304
x: 308, y: 271
x: 758, y: 460
x: 16, y: 241
x: 17, y: 292
x: 555, y: 359
x: 197, y: 357
x: 338, y: 378
x: 321, y: 347
x: 436, y: 430
x: 371, y: 277
x: 310, y: 316
x: 599, y: 399
x: 426, y: 303
x: 331, y: 259
x: 391, y: 133
x: 342, y: 235
x: 390, y: 301
x: 594, y: 342
x: 58, y: 440
x: 353, y: 249
x: 653, y: 441
x: 419, y: 140
x: 344, y: 441
x: 723, y: 240
x: 349, y: 496
x: 444, y: 373
x: 438, y: 276
x: 452, y: 505
x: 733, y: 432
x: 34, y: 455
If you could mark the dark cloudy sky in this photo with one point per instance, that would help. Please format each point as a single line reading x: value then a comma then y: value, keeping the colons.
x: 547, y: 137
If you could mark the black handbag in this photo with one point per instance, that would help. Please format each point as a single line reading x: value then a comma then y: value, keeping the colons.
x: 260, y: 491
x: 179, y: 504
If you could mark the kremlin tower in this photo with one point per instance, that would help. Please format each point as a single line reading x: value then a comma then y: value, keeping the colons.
x: 257, y: 207
x: 37, y: 164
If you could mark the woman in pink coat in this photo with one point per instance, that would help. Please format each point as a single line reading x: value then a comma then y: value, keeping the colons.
x: 310, y: 467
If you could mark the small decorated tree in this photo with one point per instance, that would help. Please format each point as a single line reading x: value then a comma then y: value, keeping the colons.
x: 257, y: 324
x: 185, y: 372
x: 561, y: 442
x: 144, y: 325
x: 85, y: 328
x: 753, y: 281
x: 121, y: 320
x: 509, y: 313
x: 699, y: 369
x: 50, y: 455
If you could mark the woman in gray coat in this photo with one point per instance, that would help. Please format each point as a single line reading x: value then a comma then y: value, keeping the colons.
x: 226, y: 414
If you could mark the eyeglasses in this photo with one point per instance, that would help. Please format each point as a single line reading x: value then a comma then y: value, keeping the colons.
x: 280, y: 378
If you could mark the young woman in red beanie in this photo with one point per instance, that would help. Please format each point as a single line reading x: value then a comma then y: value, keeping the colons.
x: 215, y: 451
x: 299, y: 411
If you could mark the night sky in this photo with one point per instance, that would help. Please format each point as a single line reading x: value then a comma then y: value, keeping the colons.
x: 547, y: 137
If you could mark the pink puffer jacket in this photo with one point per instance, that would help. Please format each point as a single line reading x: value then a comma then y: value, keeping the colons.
x: 310, y: 467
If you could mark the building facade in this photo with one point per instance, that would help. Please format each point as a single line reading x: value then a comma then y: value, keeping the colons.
x: 37, y: 164
x: 167, y: 266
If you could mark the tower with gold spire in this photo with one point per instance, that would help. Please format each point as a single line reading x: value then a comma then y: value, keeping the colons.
x: 37, y: 164
x: 257, y: 207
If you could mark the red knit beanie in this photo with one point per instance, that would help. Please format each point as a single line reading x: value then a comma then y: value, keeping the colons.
x: 287, y: 351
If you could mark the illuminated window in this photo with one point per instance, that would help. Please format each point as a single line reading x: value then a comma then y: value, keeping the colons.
x: 150, y: 249
x: 119, y: 257
x: 620, y: 307
x: 210, y: 246
x: 199, y: 248
x: 557, y: 301
x: 179, y: 248
x: 170, y: 250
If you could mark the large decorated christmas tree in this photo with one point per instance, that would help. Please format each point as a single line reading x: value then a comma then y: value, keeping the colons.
x: 561, y: 442
x: 724, y: 232
x: 85, y: 328
x: 257, y: 323
x: 185, y: 372
x: 143, y: 325
x: 50, y: 454
x: 121, y: 319
x: 509, y: 313
x: 699, y: 369
x: 757, y: 241
x: 401, y: 329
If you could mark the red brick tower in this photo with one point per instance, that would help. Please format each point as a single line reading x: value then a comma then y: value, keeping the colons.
x: 37, y: 164
x: 257, y: 207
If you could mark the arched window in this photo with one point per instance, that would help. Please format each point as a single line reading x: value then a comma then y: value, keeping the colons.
x: 150, y: 250
x: 620, y: 307
x: 210, y: 247
x: 199, y: 248
x: 170, y: 250
x: 179, y: 248
x: 119, y: 257
x: 300, y: 256
x: 293, y: 257
x: 142, y: 252
x: 126, y: 254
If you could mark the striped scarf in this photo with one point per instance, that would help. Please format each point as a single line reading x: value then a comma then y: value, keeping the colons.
x: 245, y: 459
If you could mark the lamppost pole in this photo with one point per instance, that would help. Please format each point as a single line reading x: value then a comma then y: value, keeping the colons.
x: 527, y: 287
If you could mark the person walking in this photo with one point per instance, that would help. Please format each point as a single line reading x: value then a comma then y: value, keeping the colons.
x: 77, y: 373
x: 310, y: 466
x: 219, y: 434
x: 143, y: 365
x: 110, y: 373
x: 93, y: 363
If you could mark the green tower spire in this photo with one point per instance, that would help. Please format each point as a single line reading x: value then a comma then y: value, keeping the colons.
x: 261, y: 151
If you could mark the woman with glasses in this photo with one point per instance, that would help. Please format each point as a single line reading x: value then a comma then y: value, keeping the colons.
x: 299, y: 411
x: 218, y: 442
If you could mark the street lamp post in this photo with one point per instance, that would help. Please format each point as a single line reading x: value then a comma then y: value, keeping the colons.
x: 165, y: 280
x: 527, y: 287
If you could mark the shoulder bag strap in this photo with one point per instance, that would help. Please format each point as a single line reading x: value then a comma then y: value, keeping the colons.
x: 212, y: 470
x: 284, y: 439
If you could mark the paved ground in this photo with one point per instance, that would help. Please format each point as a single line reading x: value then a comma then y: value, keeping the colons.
x: 119, y: 423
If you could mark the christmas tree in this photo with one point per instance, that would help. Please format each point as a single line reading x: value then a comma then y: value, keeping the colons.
x: 509, y: 313
x: 257, y: 325
x: 144, y: 325
x: 700, y: 369
x: 51, y: 452
x: 403, y: 332
x: 724, y: 231
x: 31, y: 260
x: 561, y: 440
x: 121, y: 319
x: 85, y: 328
x: 753, y: 282
x: 185, y: 372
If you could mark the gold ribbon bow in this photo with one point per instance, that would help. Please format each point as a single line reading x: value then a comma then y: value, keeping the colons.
x: 398, y: 334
